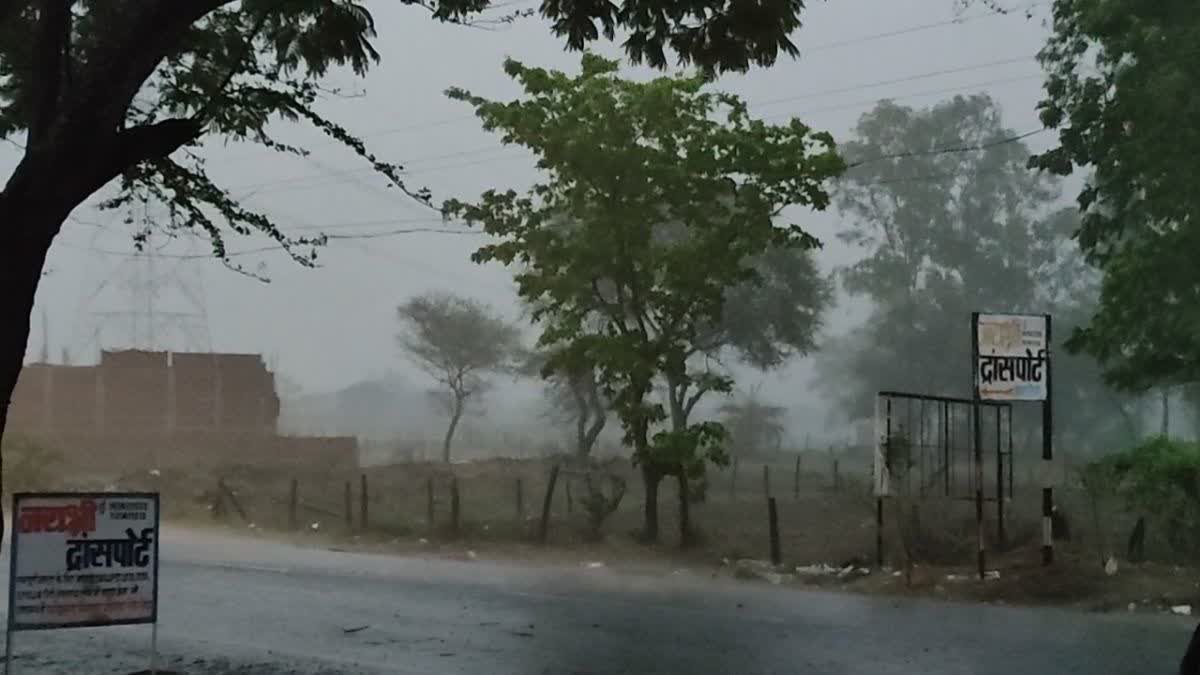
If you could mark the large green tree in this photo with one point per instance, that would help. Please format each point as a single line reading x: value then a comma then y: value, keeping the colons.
x: 98, y: 91
x: 950, y: 221
x: 657, y: 199
x: 1122, y: 91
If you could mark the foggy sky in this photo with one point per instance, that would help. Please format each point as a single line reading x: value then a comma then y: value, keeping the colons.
x: 333, y: 326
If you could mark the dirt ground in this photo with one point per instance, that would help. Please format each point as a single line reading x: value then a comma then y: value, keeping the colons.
x: 827, y: 529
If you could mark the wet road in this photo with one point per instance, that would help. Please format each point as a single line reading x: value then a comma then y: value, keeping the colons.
x: 346, y: 613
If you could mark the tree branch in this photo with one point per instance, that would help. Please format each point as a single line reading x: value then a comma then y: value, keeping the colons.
x: 693, y: 400
x: 139, y: 144
x: 247, y: 48
x: 113, y: 75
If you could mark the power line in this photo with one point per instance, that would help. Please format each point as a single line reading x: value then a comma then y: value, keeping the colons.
x: 276, y: 247
x: 319, y: 179
x: 826, y: 46
x: 399, y: 232
x: 916, y: 29
x: 899, y: 80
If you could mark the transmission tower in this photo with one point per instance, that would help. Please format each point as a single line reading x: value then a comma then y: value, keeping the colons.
x: 149, y: 301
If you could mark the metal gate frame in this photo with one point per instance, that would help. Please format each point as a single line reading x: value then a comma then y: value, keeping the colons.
x: 883, y: 487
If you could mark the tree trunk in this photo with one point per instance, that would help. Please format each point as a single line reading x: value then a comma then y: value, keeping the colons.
x: 651, y: 478
x: 25, y: 236
x: 455, y: 416
x: 1166, y: 413
x: 685, y: 502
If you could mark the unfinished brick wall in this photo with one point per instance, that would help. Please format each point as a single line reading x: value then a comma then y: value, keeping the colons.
x: 138, y: 391
x: 140, y: 410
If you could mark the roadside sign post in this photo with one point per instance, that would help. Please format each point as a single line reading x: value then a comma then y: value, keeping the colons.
x: 84, y: 559
x: 1011, y: 362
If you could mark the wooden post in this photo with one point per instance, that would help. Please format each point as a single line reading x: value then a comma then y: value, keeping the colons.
x: 429, y: 502
x: 767, y: 480
x: 348, y: 502
x: 293, y: 505
x: 544, y: 528
x: 733, y: 479
x: 879, y: 532
x: 796, y: 479
x: 773, y: 525
x: 570, y: 499
x: 520, y: 500
x: 362, y: 506
x: 455, y: 513
x: 837, y: 479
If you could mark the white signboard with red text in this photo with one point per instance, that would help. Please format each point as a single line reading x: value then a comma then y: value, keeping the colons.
x: 83, y: 559
x: 1012, y: 357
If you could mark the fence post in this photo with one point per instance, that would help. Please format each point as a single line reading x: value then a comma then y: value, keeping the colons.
x: 294, y: 505
x: 767, y: 480
x: 429, y: 502
x: 879, y: 532
x: 570, y: 499
x: 349, y: 504
x: 837, y: 478
x: 455, y: 513
x: 520, y: 500
x: 362, y: 507
x: 773, y: 525
x: 796, y: 479
x: 733, y: 479
x: 544, y: 527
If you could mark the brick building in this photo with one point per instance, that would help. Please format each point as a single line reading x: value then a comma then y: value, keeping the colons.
x: 139, y: 409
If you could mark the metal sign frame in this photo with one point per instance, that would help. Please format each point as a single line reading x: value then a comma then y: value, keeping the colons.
x: 1047, y: 402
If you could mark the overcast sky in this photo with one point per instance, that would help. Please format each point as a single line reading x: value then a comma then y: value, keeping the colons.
x: 329, y: 327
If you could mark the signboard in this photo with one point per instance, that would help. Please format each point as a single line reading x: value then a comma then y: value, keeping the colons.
x: 83, y: 559
x: 1012, y: 357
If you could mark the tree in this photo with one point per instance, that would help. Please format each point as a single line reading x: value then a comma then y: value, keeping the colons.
x: 1121, y: 91
x: 659, y: 196
x: 102, y: 90
x: 944, y: 231
x: 459, y: 342
x: 951, y: 221
x: 755, y: 426
x: 575, y: 397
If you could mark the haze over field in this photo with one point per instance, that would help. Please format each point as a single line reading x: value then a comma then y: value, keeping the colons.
x: 334, y: 328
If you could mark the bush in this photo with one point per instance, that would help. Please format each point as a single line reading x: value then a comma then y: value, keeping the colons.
x: 1161, y: 478
x: 29, y: 465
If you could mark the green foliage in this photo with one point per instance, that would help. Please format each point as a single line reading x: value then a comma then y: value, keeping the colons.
x: 659, y: 198
x: 776, y: 316
x: 1160, y: 478
x: 691, y: 447
x: 1121, y: 79
x: 132, y: 83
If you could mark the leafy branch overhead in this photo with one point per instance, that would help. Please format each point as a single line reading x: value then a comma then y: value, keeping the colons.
x: 1120, y: 92
x: 133, y: 83
x: 659, y: 199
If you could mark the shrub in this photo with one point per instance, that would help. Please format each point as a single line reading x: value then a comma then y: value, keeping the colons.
x: 29, y: 465
x: 1161, y: 477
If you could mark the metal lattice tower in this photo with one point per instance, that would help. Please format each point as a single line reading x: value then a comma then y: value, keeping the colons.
x: 150, y: 301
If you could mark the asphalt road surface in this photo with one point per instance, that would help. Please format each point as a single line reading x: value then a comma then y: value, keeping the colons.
x: 251, y: 607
